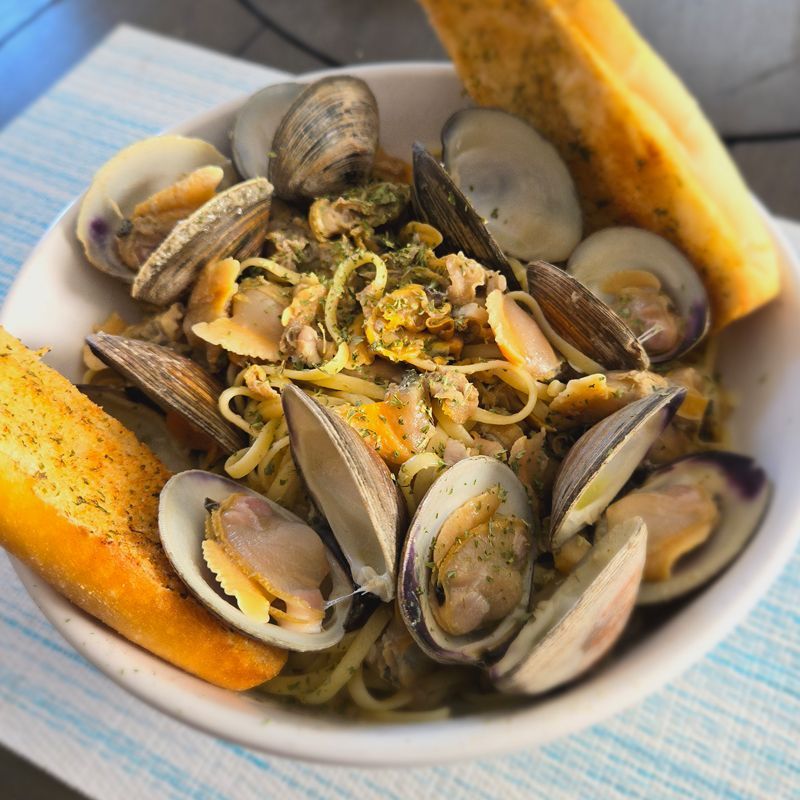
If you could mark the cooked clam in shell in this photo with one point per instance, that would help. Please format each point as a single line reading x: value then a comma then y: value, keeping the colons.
x: 577, y: 621
x: 700, y: 512
x: 353, y: 489
x: 649, y: 283
x: 118, y: 209
x: 515, y: 180
x: 600, y: 463
x: 326, y: 140
x: 467, y: 562
x: 263, y: 552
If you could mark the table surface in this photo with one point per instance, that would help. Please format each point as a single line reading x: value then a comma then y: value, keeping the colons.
x: 743, y: 64
x: 729, y: 727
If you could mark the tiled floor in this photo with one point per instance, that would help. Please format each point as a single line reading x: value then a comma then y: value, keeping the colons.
x: 743, y: 64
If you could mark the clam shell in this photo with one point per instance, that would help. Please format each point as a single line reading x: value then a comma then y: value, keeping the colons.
x: 576, y: 624
x: 515, y: 179
x: 181, y: 523
x: 584, y: 320
x: 231, y: 224
x: 149, y: 427
x: 172, y: 382
x: 439, y: 202
x: 132, y: 175
x: 600, y: 463
x: 624, y: 248
x: 465, y: 479
x: 352, y: 488
x: 326, y: 141
x: 255, y: 126
x: 742, y: 492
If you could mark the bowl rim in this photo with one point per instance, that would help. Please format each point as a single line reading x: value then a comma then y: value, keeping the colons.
x: 342, y: 742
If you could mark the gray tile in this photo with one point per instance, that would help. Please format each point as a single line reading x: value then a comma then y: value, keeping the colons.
x: 20, y: 780
x: 41, y: 52
x: 357, y: 30
x: 270, y: 49
x: 773, y: 171
x: 741, y: 58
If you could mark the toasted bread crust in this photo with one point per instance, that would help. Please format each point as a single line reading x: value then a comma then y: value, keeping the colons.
x: 637, y: 144
x: 80, y: 504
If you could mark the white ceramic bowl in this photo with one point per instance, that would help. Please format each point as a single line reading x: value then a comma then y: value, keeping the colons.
x: 56, y: 299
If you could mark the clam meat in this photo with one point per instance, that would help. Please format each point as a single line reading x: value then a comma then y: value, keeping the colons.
x: 700, y: 512
x: 467, y: 564
x: 253, y: 563
x: 648, y: 282
x: 575, y: 622
x: 139, y: 195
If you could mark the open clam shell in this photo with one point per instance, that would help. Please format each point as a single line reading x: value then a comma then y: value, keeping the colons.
x: 741, y: 491
x: 181, y: 521
x: 600, y: 463
x: 583, y: 320
x: 231, y: 224
x: 439, y: 202
x: 149, y: 427
x: 326, y: 141
x: 578, y: 621
x: 255, y: 126
x: 617, y: 250
x: 132, y: 175
x: 464, y: 480
x: 352, y: 488
x: 515, y: 180
x: 172, y: 382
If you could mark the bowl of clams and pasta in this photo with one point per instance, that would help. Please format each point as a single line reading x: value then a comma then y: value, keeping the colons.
x: 486, y: 475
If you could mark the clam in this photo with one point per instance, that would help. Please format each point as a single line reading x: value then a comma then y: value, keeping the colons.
x: 285, y: 586
x: 467, y: 564
x: 439, y: 202
x: 231, y: 224
x: 326, y: 141
x: 700, y: 512
x: 149, y: 427
x: 649, y: 283
x: 130, y: 179
x: 255, y: 126
x: 515, y: 180
x: 584, y: 321
x: 575, y: 622
x: 600, y: 463
x: 352, y: 488
x: 173, y: 382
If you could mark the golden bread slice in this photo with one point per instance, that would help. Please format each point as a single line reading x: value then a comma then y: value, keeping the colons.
x: 638, y: 146
x: 80, y: 504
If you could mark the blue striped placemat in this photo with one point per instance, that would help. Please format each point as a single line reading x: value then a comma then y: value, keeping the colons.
x: 730, y: 727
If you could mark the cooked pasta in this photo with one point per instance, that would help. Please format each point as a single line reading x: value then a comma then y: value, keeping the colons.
x: 396, y: 339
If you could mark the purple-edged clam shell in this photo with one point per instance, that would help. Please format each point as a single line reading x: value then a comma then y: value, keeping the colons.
x: 131, y: 176
x: 462, y: 481
x: 741, y: 490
